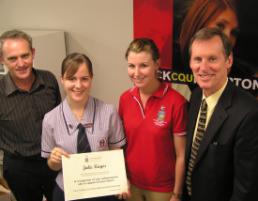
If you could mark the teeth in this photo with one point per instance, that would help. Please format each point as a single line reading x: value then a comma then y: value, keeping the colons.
x: 139, y: 78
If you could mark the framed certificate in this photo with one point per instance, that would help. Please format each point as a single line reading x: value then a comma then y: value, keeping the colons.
x: 94, y: 174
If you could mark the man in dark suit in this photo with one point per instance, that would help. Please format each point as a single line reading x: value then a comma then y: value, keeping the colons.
x: 222, y: 146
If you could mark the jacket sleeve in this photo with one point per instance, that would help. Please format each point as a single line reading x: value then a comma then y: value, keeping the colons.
x: 245, y: 184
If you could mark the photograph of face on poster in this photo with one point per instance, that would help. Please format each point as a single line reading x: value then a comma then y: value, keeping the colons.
x: 237, y: 19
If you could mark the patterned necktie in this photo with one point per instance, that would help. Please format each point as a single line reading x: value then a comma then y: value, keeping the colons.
x: 195, y: 146
x: 83, y: 145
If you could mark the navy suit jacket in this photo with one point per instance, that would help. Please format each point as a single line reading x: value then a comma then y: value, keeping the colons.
x: 226, y: 167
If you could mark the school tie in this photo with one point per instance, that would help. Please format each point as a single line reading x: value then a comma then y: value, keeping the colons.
x: 195, y: 146
x: 83, y: 145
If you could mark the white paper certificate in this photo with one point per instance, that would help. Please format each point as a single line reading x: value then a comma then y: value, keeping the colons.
x: 94, y: 174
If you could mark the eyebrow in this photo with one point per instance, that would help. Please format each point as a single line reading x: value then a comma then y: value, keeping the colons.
x: 224, y: 21
x: 22, y: 55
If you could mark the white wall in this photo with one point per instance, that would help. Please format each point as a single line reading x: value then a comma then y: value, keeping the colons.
x: 100, y: 28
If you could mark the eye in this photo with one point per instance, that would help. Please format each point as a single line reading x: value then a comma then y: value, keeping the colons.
x: 86, y: 78
x: 197, y: 59
x: 12, y: 59
x: 144, y: 65
x: 131, y: 66
x: 25, y: 56
x: 71, y: 78
x: 221, y: 26
x: 212, y: 59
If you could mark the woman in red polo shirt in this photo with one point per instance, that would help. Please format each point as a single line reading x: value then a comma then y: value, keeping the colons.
x: 154, y: 118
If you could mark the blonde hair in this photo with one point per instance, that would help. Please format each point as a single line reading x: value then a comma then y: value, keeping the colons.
x: 143, y: 45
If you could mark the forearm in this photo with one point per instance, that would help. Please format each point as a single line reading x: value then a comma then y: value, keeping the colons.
x: 179, y: 142
x: 179, y: 175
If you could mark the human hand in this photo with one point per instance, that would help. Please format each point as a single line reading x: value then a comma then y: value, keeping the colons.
x: 175, y: 197
x: 125, y: 195
x: 55, y: 158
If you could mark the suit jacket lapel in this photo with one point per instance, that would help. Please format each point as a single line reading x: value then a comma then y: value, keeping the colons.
x: 218, y: 117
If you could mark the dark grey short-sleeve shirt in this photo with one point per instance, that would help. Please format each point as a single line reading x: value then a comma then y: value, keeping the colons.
x: 22, y: 112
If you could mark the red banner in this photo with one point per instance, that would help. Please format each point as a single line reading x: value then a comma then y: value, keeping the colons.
x: 154, y: 19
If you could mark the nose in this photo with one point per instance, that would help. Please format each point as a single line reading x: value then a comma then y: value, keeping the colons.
x: 137, y: 71
x: 78, y: 83
x: 20, y: 62
x: 203, y: 65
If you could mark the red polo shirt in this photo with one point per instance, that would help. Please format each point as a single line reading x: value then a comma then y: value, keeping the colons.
x: 150, y: 154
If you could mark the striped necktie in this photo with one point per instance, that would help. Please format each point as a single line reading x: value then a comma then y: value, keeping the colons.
x: 195, y: 146
x: 83, y: 145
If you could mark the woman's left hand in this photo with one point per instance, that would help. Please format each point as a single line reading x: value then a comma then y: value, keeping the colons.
x: 174, y: 199
x: 125, y: 195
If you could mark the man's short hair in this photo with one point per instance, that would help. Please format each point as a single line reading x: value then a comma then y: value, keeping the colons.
x: 209, y: 33
x: 14, y: 34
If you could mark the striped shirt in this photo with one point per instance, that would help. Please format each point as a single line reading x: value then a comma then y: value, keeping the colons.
x: 22, y: 112
x: 103, y: 127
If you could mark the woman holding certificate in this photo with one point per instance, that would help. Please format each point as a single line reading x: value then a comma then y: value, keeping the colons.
x: 154, y: 118
x: 81, y: 123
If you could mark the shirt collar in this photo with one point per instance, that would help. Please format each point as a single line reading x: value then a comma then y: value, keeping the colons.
x: 161, y: 91
x: 10, y: 86
x: 213, y: 99
x: 86, y: 121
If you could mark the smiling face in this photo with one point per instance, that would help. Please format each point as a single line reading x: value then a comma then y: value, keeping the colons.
x: 209, y: 64
x: 17, y: 56
x: 227, y: 22
x: 142, y: 69
x: 77, y: 87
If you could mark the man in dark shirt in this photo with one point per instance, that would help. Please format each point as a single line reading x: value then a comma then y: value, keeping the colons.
x: 26, y: 94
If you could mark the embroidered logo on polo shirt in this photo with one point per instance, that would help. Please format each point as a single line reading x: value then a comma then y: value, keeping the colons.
x: 159, y: 121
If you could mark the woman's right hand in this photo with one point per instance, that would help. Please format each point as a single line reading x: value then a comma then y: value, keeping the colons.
x: 55, y: 158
